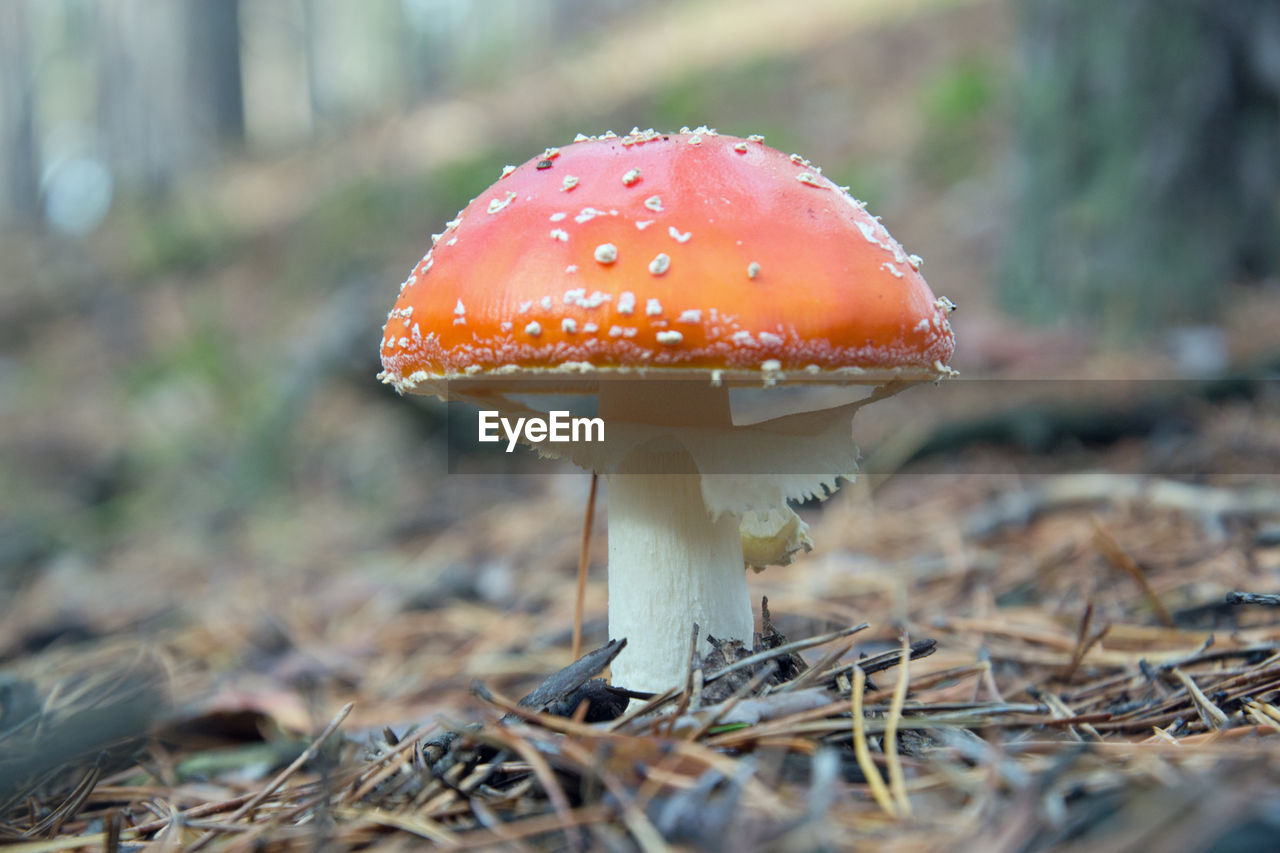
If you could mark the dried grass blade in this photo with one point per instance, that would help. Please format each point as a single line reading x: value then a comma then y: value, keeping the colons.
x: 1117, y: 556
x: 584, y: 561
x: 897, y: 783
x: 862, y: 752
x: 1212, y: 715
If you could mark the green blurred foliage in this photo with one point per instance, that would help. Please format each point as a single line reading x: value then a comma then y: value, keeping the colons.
x: 172, y: 238
x: 957, y: 107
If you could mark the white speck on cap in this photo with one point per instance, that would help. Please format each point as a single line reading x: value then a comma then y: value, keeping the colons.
x: 654, y: 203
x: 923, y: 325
x: 894, y: 271
x: 769, y: 339
x: 808, y: 179
x: 753, y: 269
x: 560, y: 234
x: 545, y: 302
x: 642, y: 224
x: 670, y: 338
x: 743, y: 338
x: 569, y: 325
x: 631, y: 177
x: 534, y: 329
x: 506, y: 170
x: 459, y: 309
x: 568, y: 183
x: 693, y: 315
x: 505, y: 325
x: 524, y: 307
x: 771, y: 366
x: 556, y: 217
x: 916, y: 261
x: 590, y: 328
x: 755, y: 137
x: 660, y: 264
x: 677, y: 236
x: 741, y: 148
x: 572, y: 268
x: 606, y: 253
x: 574, y: 294
x: 496, y: 205
x: 626, y: 302
x: 653, y: 308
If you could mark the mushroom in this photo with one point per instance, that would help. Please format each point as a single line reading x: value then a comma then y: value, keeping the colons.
x: 680, y: 265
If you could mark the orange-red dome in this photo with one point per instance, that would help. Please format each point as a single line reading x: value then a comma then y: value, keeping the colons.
x: 683, y: 251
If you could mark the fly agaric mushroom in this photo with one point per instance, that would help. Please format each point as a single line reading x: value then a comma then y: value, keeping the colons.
x: 658, y: 270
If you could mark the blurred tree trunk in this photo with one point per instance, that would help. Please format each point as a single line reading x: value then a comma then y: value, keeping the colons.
x: 21, y: 193
x: 143, y: 99
x: 213, y: 39
x: 1148, y: 169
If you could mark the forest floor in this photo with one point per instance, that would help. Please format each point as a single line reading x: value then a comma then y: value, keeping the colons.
x: 1083, y: 676
x: 246, y: 607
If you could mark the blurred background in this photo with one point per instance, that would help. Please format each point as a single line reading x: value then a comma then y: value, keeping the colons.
x: 206, y: 207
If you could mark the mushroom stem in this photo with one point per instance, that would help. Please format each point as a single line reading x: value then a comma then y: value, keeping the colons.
x: 670, y: 564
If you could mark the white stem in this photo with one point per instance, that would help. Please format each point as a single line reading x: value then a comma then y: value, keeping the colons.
x: 670, y: 567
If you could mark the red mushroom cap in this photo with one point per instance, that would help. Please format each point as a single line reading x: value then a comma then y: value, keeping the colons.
x: 682, y: 252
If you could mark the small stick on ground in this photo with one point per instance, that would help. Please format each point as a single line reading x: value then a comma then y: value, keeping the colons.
x: 584, y: 560
x: 1117, y: 556
x: 1253, y: 598
x: 1084, y: 642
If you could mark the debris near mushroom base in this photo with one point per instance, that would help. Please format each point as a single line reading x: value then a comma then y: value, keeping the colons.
x: 777, y: 761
